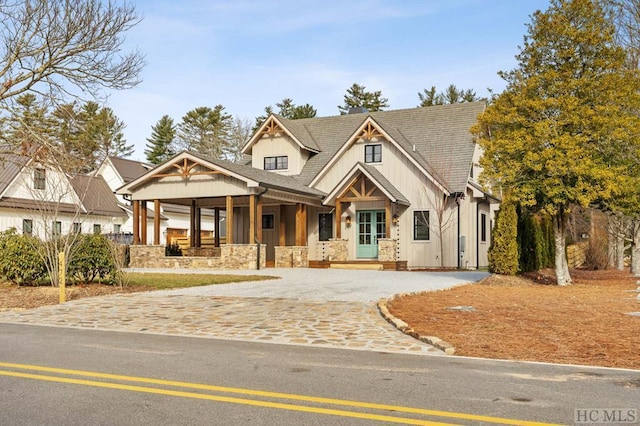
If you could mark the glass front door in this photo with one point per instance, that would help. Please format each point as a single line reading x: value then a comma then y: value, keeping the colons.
x: 371, y: 227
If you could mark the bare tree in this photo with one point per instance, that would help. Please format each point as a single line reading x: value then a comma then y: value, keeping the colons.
x: 55, y: 47
x: 238, y: 136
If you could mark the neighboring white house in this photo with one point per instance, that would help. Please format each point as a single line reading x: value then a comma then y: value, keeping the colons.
x: 394, y: 187
x: 40, y: 200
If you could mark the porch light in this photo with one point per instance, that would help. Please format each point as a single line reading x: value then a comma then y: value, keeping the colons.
x: 347, y: 220
x: 395, y: 219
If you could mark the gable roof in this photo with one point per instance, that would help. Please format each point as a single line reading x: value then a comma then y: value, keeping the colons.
x: 11, y: 163
x: 374, y: 175
x: 243, y: 172
x: 290, y: 127
x: 129, y: 169
x: 96, y: 196
x: 437, y: 138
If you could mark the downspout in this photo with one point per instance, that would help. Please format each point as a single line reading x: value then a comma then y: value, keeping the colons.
x: 458, y: 203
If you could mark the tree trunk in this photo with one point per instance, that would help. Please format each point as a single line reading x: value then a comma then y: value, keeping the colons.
x: 559, y: 230
x: 635, y: 248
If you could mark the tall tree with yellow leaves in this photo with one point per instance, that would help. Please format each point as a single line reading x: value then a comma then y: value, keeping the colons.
x: 564, y: 128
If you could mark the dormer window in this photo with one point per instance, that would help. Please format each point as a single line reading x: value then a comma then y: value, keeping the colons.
x: 373, y: 153
x: 276, y: 163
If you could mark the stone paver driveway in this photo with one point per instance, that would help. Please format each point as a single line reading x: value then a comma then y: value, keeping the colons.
x: 327, y: 308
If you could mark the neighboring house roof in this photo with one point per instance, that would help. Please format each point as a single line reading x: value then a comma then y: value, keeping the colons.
x: 37, y: 205
x: 438, y: 138
x: 11, y: 163
x: 96, y: 196
x: 129, y: 169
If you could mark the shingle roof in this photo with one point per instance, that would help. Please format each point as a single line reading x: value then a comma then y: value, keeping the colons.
x: 264, y: 177
x: 129, y: 169
x: 386, y: 185
x: 443, y: 144
x: 96, y: 196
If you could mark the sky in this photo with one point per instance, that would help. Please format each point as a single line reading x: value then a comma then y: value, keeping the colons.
x: 248, y: 54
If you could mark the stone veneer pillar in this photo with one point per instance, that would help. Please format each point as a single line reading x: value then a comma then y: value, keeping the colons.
x: 387, y: 249
x: 338, y: 249
x: 291, y: 256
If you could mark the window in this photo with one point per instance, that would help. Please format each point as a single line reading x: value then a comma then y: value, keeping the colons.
x: 421, y: 225
x: 373, y: 153
x: 27, y: 227
x: 325, y: 226
x: 483, y: 227
x: 268, y: 221
x: 116, y: 228
x: 39, y: 179
x: 77, y: 228
x: 56, y: 228
x: 276, y: 163
x: 97, y: 228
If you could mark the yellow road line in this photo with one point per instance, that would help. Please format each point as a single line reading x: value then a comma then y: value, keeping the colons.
x: 277, y: 395
x: 217, y: 398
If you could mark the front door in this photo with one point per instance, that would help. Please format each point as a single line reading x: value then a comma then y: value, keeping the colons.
x: 371, y: 227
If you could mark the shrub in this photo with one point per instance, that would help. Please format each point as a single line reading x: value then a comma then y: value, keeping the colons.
x: 91, y: 258
x: 173, y: 250
x: 20, y: 258
x: 503, y: 252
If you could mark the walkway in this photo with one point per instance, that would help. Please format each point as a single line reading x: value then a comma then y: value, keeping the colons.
x: 319, y: 307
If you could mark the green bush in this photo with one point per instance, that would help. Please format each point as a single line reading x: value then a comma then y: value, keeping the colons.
x: 503, y: 252
x: 20, y: 259
x: 91, y: 259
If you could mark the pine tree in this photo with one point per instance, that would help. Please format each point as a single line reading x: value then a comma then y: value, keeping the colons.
x: 160, y: 145
x: 205, y: 130
x: 358, y: 96
x: 562, y: 131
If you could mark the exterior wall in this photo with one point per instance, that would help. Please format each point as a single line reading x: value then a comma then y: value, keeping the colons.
x: 277, y: 146
x: 12, y: 218
x: 57, y: 187
x: 232, y: 256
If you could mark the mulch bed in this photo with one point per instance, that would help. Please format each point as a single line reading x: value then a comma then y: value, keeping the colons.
x: 526, y: 318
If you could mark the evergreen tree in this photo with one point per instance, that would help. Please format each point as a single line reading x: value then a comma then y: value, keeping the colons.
x: 562, y: 131
x: 452, y: 95
x: 160, y: 144
x: 503, y: 252
x: 286, y: 109
x: 357, y: 96
x: 29, y: 124
x: 205, y: 130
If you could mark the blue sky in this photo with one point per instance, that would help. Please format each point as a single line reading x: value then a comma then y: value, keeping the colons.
x: 246, y: 54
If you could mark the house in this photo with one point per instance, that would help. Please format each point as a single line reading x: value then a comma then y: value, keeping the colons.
x: 37, y: 198
x: 394, y: 189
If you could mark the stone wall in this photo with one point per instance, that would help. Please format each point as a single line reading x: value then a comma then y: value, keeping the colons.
x: 291, y: 257
x: 338, y: 250
x: 232, y: 256
x: 387, y: 250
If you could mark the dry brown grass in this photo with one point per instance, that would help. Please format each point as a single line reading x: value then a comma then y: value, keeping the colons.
x: 521, y: 318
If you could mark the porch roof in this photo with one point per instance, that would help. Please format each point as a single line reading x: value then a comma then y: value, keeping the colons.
x: 374, y: 175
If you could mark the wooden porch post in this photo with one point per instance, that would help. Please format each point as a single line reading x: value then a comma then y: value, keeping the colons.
x: 259, y: 219
x: 156, y: 222
x: 387, y: 218
x: 229, y: 219
x: 192, y: 224
x: 136, y: 222
x: 143, y: 224
x: 252, y: 218
x: 198, y: 227
x: 282, y: 229
x: 338, y: 219
x: 301, y: 224
x: 216, y: 219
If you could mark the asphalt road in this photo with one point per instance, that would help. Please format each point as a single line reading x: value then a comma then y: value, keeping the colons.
x: 59, y: 376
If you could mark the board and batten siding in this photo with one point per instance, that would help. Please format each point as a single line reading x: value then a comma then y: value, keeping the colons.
x: 279, y: 146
